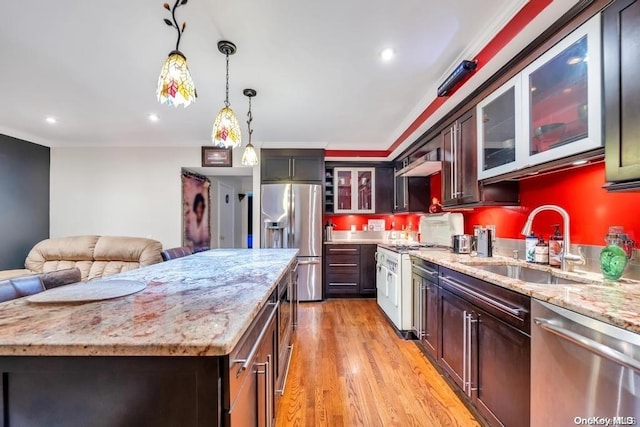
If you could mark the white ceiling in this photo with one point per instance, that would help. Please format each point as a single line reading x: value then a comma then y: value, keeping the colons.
x: 94, y: 65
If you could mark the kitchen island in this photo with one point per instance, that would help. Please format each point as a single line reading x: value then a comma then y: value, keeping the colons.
x: 158, y: 357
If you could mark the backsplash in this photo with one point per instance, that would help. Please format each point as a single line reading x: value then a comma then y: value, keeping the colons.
x: 397, y: 221
x: 579, y: 191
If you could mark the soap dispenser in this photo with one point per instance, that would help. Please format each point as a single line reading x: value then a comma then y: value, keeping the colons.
x: 530, y: 247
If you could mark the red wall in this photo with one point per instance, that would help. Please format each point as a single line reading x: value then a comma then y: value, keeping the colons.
x: 579, y: 191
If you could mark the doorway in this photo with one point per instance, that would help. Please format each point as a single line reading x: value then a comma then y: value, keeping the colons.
x: 226, y: 215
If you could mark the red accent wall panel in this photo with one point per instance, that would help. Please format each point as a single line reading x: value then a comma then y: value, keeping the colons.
x: 579, y: 191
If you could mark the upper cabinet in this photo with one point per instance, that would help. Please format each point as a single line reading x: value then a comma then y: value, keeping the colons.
x: 459, y: 177
x: 354, y: 190
x: 550, y: 110
x: 621, y: 58
x: 562, y: 94
x: 292, y: 165
x: 499, y: 118
x: 460, y: 185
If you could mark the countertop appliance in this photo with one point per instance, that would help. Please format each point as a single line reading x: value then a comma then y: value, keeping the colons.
x: 592, y: 367
x: 393, y: 266
x: 462, y: 243
x: 291, y: 217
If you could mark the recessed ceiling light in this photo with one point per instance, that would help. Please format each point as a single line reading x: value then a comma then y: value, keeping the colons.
x: 51, y: 120
x: 153, y: 117
x: 387, y: 54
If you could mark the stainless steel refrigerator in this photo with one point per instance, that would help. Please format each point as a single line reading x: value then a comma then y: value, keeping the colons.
x: 291, y: 217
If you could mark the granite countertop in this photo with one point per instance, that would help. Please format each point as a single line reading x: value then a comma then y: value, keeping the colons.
x: 198, y: 305
x: 613, y: 302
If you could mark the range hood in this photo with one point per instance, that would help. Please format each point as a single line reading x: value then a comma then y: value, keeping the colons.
x: 426, y: 165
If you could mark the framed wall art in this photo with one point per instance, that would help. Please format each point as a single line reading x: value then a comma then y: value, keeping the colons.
x: 216, y: 156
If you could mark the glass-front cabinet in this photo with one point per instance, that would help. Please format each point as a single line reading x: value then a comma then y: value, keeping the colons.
x: 563, y: 90
x: 550, y: 110
x: 499, y: 118
x: 354, y: 190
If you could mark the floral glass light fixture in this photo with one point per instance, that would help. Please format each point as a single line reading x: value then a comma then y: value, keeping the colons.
x: 249, y: 158
x: 226, y: 130
x: 175, y: 86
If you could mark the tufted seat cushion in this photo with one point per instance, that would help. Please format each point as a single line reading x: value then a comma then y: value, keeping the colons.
x: 94, y: 256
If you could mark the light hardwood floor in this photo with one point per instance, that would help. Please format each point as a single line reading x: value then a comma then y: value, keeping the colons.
x: 349, y: 368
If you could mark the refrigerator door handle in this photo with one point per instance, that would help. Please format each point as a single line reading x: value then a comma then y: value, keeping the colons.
x: 308, y: 262
x: 292, y: 218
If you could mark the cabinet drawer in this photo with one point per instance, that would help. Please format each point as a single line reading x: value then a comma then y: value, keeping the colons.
x: 343, y: 249
x: 507, y: 305
x: 343, y: 283
x: 343, y: 264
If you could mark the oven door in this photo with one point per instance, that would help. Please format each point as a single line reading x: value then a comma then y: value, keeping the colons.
x: 393, y: 289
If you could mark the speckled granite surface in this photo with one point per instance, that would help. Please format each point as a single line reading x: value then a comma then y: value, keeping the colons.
x: 617, y: 303
x: 196, y: 305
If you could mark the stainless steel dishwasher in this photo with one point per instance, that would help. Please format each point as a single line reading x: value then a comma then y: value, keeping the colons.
x: 583, y: 371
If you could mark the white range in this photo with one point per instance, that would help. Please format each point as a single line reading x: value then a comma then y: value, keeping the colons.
x: 393, y: 265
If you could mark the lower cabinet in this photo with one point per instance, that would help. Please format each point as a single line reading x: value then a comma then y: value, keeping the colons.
x: 426, y: 305
x: 349, y: 270
x: 479, y: 335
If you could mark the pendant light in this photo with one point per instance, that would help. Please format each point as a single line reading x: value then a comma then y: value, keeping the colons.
x: 226, y: 130
x: 249, y: 158
x: 175, y: 86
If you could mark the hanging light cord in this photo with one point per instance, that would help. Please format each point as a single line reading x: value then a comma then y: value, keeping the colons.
x: 226, y: 99
x: 174, y: 24
x: 249, y: 120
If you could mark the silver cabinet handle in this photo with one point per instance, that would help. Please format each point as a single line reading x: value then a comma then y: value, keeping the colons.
x: 342, y: 284
x: 286, y: 371
x: 470, y: 322
x: 589, y: 344
x: 269, y: 393
x: 342, y: 249
x: 246, y: 362
x: 430, y: 272
x: 514, y: 311
x: 342, y: 265
x: 465, y: 351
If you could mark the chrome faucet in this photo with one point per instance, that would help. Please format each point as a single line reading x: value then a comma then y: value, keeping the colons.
x: 568, y: 259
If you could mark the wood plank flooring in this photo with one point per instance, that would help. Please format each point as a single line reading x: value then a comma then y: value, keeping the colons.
x: 349, y: 368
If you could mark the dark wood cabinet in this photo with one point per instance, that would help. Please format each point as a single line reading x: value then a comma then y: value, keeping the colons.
x: 384, y: 190
x: 426, y: 305
x: 452, y: 357
x: 485, y: 346
x: 460, y: 185
x: 412, y: 194
x: 502, y: 360
x: 350, y: 270
x: 459, y: 168
x: 383, y: 185
x: 368, y: 270
x: 621, y: 59
x: 298, y: 165
x: 431, y: 335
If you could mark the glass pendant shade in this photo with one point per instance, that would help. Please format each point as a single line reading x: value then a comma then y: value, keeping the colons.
x: 249, y: 158
x: 226, y: 130
x: 175, y: 86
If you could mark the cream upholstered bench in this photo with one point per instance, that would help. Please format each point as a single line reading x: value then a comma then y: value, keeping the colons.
x: 94, y: 256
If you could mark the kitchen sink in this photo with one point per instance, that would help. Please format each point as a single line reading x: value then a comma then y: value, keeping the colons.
x: 527, y: 274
